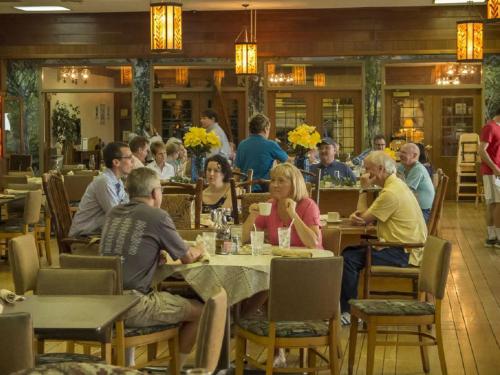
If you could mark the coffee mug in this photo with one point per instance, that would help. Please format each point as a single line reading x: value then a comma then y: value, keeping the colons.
x: 333, y: 216
x: 265, y: 208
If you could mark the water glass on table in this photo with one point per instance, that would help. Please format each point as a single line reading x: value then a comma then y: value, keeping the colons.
x: 284, y: 237
x: 257, y: 241
x: 209, y: 240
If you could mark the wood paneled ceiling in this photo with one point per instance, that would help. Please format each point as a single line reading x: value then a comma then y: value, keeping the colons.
x: 98, y: 6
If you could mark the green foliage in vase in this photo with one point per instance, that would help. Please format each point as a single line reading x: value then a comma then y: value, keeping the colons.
x: 141, y: 94
x: 341, y: 181
x: 181, y: 179
x: 66, y: 123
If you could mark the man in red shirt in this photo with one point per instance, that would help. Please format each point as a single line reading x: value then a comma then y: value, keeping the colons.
x: 489, y: 151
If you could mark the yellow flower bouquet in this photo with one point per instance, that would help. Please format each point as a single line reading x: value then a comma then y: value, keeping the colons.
x: 303, y: 138
x: 198, y: 141
x: 390, y: 152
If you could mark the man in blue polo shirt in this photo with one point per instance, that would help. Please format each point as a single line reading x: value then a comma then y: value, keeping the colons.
x: 328, y: 164
x: 257, y: 152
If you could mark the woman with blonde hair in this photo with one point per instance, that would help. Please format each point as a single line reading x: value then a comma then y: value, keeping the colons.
x: 290, y: 202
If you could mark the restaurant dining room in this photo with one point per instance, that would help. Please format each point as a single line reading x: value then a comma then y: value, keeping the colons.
x: 221, y: 187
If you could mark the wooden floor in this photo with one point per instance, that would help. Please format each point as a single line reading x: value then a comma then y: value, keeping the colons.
x: 471, y: 309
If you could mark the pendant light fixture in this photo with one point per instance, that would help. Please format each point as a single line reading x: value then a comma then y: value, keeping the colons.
x: 166, y: 26
x: 493, y: 9
x: 245, y: 53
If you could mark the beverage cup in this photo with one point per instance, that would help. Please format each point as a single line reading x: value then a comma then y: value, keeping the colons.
x: 265, y: 208
x: 257, y: 241
x: 198, y: 371
x: 284, y: 237
x: 333, y: 216
x: 209, y: 240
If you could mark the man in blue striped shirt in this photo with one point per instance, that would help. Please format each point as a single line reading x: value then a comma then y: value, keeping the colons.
x: 379, y: 144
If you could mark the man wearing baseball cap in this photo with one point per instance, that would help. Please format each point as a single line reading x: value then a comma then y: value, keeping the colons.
x: 328, y: 165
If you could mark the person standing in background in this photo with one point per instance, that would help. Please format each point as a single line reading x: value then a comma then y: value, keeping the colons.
x: 489, y: 151
x: 209, y: 122
x: 139, y: 146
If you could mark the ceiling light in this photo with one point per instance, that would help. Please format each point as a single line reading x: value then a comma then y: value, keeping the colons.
x: 50, y: 8
x: 245, y: 49
x: 469, y: 41
x: 166, y: 26
x: 493, y: 9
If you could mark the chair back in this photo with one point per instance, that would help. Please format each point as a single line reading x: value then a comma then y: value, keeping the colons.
x: 64, y: 281
x: 179, y: 206
x: 331, y: 239
x: 315, y: 180
x: 248, y: 184
x: 468, y: 147
x: 248, y: 199
x: 27, y: 173
x: 305, y: 288
x: 240, y: 176
x: 24, y: 262
x: 32, y: 207
x: 191, y: 234
x: 76, y: 185
x: 211, y: 331
x: 8, y: 180
x: 234, y: 201
x: 16, y: 342
x: 435, y: 267
x: 60, y: 212
x: 113, y: 263
x: 19, y: 162
x: 437, y: 205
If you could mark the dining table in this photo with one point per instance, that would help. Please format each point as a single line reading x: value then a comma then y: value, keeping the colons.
x: 344, y: 199
x: 242, y: 276
x: 343, y: 233
x: 78, y: 317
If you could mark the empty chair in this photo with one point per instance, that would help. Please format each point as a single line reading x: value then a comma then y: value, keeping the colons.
x: 76, y: 185
x: 16, y: 342
x: 24, y: 263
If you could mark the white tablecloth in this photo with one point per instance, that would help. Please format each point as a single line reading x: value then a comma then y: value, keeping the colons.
x: 242, y: 276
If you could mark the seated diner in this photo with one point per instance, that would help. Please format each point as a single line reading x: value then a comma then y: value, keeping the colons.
x: 218, y: 192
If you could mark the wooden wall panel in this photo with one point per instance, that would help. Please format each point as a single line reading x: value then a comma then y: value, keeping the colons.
x: 313, y: 32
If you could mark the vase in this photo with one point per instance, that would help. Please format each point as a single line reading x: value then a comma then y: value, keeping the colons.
x: 197, y: 167
x: 302, y: 162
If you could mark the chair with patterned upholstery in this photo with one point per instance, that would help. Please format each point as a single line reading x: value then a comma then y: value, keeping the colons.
x: 247, y: 199
x: 78, y: 368
x: 388, y: 312
x: 16, y: 342
x: 149, y: 336
x: 178, y: 201
x: 240, y: 176
x: 303, y: 314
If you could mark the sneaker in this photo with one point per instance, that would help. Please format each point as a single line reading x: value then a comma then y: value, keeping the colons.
x: 280, y: 359
x: 491, y: 242
x: 345, y: 319
x: 497, y: 245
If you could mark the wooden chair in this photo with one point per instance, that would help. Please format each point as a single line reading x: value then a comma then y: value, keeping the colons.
x: 16, y: 342
x: 247, y: 185
x: 411, y: 273
x: 6, y: 180
x: 60, y: 211
x: 31, y: 217
x: 76, y: 185
x: 434, y: 272
x: 239, y: 176
x: 480, y: 185
x: 313, y: 181
x: 177, y: 201
x: 133, y: 337
x: 248, y: 199
x: 468, y: 156
x: 303, y: 314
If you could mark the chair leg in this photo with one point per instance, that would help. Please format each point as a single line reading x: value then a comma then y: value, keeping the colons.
x: 173, y: 349
x: 439, y: 341
x: 311, y: 361
x: 70, y: 346
x: 106, y: 352
x: 423, y: 350
x: 152, y: 349
x: 334, y: 352
x: 46, y: 238
x: 240, y: 353
x: 40, y: 346
x: 353, y: 336
x: 370, y: 354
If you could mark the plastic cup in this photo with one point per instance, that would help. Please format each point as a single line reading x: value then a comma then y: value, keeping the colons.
x: 284, y: 237
x: 209, y: 240
x: 257, y: 241
x: 333, y: 216
x: 265, y: 208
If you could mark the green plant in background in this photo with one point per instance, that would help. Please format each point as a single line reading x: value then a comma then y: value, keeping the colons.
x: 141, y: 94
x: 491, y: 73
x: 66, y: 125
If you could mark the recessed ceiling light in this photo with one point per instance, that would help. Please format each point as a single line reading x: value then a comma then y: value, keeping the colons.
x: 50, y: 8
x: 458, y: 1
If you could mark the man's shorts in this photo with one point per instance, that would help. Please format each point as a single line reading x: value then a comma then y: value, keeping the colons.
x: 157, y: 308
x: 491, y: 189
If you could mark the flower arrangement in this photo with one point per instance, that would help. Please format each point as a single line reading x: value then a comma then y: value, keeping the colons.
x: 198, y: 141
x: 390, y: 152
x: 303, y: 138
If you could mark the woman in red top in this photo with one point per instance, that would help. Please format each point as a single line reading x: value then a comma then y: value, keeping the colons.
x: 290, y: 201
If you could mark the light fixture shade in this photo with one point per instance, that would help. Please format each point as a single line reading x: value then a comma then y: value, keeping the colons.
x: 218, y: 77
x: 181, y: 76
x: 469, y: 41
x: 166, y: 26
x: 271, y: 69
x: 319, y: 80
x: 246, y: 57
x: 125, y: 75
x: 299, y: 75
x: 493, y: 9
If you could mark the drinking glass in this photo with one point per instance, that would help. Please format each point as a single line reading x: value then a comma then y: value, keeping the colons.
x: 209, y: 240
x: 257, y: 241
x: 284, y: 237
x: 198, y: 371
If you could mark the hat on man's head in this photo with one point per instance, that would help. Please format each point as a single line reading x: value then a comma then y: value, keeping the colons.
x: 327, y: 141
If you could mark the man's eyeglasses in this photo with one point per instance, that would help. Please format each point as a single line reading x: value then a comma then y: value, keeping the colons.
x: 125, y: 157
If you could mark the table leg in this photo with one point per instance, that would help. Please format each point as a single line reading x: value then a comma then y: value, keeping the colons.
x: 120, y: 343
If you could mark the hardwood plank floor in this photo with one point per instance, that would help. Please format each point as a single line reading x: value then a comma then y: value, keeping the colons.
x: 471, y: 308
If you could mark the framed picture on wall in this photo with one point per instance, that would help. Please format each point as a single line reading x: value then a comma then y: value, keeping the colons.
x: 102, y: 114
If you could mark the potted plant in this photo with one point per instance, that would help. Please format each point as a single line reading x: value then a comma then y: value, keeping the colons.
x: 66, y: 127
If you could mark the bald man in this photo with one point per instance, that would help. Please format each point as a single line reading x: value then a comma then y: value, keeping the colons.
x: 416, y: 177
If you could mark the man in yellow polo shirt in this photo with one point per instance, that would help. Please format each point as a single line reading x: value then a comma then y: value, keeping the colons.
x: 399, y: 219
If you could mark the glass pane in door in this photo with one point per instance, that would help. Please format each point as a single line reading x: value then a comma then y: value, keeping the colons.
x: 12, y: 121
x: 290, y: 112
x: 456, y: 119
x: 408, y: 118
x: 177, y: 117
x: 338, y: 121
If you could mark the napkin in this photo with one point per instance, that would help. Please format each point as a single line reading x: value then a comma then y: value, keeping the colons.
x: 200, y: 244
x: 16, y: 191
x: 9, y: 297
x: 292, y: 253
x: 5, y: 196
